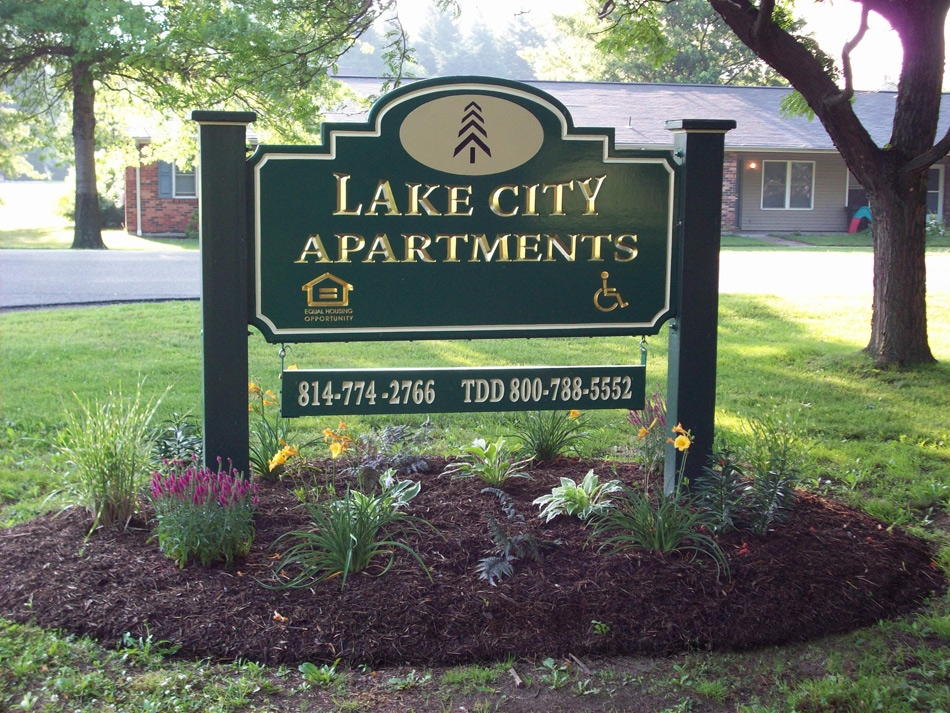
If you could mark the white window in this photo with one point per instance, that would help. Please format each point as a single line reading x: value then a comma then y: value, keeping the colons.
x: 788, y: 185
x: 174, y: 182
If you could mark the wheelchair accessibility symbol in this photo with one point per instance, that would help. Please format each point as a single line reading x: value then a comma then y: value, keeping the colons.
x: 608, y: 295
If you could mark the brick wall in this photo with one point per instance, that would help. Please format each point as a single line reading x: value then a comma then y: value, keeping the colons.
x: 159, y: 215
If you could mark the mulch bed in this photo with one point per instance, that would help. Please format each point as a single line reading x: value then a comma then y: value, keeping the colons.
x: 826, y: 569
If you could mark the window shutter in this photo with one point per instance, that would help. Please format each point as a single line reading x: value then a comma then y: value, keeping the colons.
x: 165, y: 171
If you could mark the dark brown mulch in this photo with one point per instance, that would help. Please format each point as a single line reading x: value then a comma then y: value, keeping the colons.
x: 826, y: 569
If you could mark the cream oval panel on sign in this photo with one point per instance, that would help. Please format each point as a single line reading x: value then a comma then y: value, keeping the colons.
x: 471, y: 134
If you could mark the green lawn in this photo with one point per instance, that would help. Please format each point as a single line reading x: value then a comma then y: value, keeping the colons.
x: 875, y: 438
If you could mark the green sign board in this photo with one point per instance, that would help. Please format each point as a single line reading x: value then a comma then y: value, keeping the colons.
x: 332, y: 392
x: 462, y: 208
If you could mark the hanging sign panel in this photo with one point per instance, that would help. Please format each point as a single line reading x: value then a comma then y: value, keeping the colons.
x: 332, y: 392
x: 461, y: 209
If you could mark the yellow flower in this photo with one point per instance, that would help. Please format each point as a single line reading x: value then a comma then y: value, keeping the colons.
x: 682, y: 442
x: 291, y: 451
x: 278, y: 460
x: 250, y: 408
x: 270, y: 394
x: 253, y: 389
x: 328, y: 434
x: 341, y: 427
x: 574, y: 414
x: 336, y: 449
x: 643, y: 433
x: 678, y: 428
x: 292, y: 367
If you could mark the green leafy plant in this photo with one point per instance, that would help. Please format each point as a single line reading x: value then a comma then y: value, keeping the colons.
x: 720, y: 490
x: 775, y: 459
x: 269, y: 447
x: 345, y: 536
x: 661, y: 524
x: 410, y: 680
x: 202, y: 514
x: 650, y: 423
x: 107, y: 448
x: 583, y: 500
x: 324, y: 676
x: 491, y: 462
x: 547, y: 434
x: 177, y: 438
x: 555, y: 675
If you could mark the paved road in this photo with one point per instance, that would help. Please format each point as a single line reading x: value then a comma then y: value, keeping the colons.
x: 31, y: 278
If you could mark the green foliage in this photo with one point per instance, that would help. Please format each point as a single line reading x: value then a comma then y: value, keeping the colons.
x: 344, y: 536
x: 660, y: 524
x: 177, y: 438
x: 106, y: 446
x: 554, y: 675
x: 325, y: 676
x: 719, y: 490
x: 269, y: 449
x: 584, y: 500
x: 202, y: 514
x: 650, y: 448
x: 775, y: 458
x: 684, y: 42
x: 491, y: 462
x: 547, y: 434
x: 509, y: 545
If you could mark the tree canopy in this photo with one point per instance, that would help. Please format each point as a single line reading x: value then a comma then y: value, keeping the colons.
x: 270, y: 56
x: 894, y: 174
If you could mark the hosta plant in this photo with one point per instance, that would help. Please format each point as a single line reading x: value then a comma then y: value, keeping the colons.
x: 491, y: 462
x: 584, y: 499
x: 201, y: 513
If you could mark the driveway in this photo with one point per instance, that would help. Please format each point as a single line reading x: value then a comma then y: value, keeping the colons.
x: 46, y: 278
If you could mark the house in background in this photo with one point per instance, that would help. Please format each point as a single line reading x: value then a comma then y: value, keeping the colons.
x: 160, y: 198
x: 780, y: 175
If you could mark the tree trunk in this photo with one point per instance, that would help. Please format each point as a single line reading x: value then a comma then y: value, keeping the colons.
x: 899, y: 305
x: 88, y: 228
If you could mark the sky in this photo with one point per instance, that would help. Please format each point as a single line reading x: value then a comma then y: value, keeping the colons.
x: 876, y: 61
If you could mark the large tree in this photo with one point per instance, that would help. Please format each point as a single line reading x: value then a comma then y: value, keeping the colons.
x: 894, y: 174
x: 267, y: 55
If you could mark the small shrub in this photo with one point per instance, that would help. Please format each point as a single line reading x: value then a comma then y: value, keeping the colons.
x: 509, y: 545
x: 344, y: 535
x: 192, y: 229
x: 491, y: 462
x: 202, y: 514
x: 547, y: 434
x: 583, y: 500
x: 394, y: 447
x: 107, y: 448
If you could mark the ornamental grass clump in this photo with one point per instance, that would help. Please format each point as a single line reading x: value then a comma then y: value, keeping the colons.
x: 548, y: 434
x: 107, y: 448
x: 202, y: 514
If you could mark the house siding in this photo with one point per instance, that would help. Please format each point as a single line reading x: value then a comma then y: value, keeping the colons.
x: 160, y: 216
x: 829, y: 194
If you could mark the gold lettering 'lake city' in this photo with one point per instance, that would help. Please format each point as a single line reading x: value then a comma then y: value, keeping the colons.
x: 505, y: 201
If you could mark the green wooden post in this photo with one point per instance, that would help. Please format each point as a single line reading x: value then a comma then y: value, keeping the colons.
x: 691, y: 381
x: 224, y: 284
